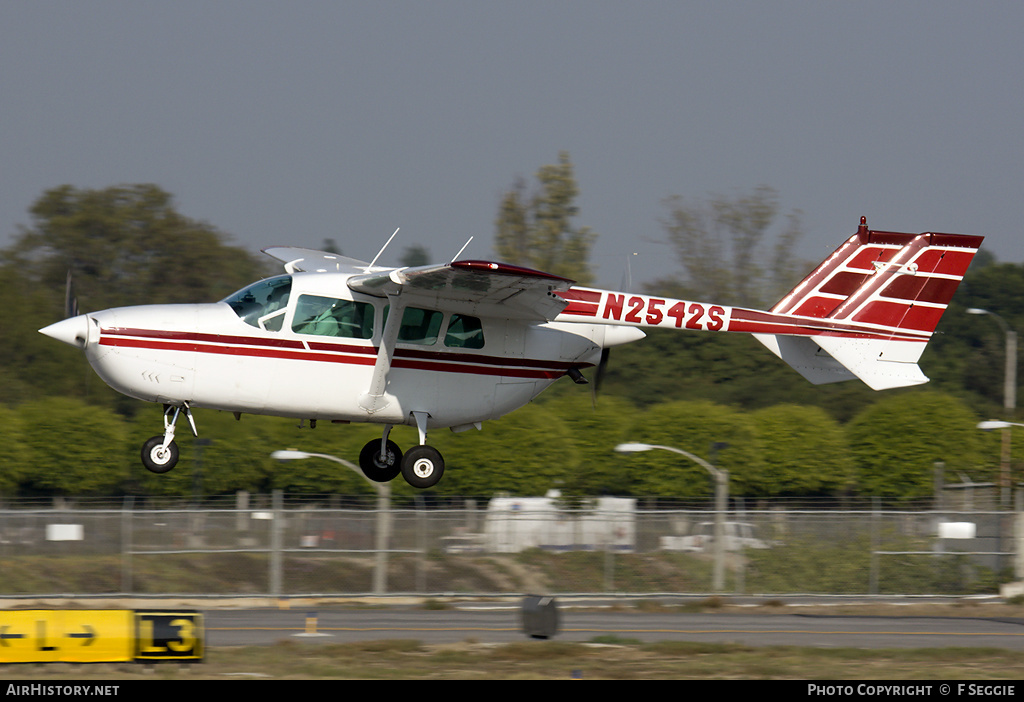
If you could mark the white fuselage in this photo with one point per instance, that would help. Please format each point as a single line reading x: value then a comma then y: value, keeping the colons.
x: 282, y: 359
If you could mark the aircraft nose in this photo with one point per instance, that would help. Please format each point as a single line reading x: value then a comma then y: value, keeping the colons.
x: 73, y: 331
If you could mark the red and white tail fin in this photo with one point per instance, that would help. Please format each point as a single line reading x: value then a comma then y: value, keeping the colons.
x: 882, y: 294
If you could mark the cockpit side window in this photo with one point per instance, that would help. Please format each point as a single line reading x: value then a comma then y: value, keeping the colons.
x: 328, y: 316
x: 419, y: 326
x: 263, y: 304
x: 464, y: 332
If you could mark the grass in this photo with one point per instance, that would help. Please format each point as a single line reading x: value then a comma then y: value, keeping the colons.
x: 602, y: 659
x: 791, y: 569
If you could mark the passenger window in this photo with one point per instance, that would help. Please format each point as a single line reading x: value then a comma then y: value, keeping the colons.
x: 262, y: 304
x: 328, y: 316
x: 419, y: 326
x: 464, y: 332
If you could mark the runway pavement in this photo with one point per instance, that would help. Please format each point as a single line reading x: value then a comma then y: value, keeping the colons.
x: 503, y: 624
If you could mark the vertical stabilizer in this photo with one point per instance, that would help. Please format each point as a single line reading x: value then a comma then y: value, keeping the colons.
x: 880, y: 297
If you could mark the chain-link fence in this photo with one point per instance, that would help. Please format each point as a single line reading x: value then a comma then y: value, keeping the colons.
x: 503, y: 546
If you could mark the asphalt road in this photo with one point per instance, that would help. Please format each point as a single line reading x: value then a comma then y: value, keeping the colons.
x: 504, y: 624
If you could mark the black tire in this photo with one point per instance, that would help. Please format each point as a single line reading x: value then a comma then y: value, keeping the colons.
x: 377, y: 470
x: 157, y: 461
x: 422, y: 466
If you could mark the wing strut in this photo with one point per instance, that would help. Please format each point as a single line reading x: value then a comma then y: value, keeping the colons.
x: 375, y: 398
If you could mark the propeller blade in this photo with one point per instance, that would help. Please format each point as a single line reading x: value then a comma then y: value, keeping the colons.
x: 70, y: 301
x: 599, y: 375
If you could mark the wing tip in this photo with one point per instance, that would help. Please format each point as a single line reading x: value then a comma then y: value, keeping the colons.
x: 509, y: 269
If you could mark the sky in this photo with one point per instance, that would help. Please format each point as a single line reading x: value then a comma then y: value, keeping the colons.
x: 289, y: 123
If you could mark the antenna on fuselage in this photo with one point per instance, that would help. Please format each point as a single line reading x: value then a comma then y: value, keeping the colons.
x: 456, y: 256
x: 382, y: 249
x: 627, y: 276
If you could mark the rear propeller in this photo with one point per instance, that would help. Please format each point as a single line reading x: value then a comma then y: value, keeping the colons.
x: 602, y: 366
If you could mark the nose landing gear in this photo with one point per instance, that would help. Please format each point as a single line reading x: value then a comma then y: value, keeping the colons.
x: 160, y: 453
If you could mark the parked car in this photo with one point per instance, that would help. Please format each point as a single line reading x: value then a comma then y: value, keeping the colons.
x: 738, y: 535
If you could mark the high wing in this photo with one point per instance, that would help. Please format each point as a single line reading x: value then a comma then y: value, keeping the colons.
x: 482, y: 288
x: 312, y: 261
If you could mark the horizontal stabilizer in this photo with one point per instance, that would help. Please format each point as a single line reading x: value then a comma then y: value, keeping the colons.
x: 882, y: 364
x: 806, y: 357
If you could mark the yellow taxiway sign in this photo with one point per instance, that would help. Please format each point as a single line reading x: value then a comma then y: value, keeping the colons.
x: 99, y: 635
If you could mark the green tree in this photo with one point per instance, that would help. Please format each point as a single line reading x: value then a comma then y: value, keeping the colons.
x: 127, y: 245
x: 537, y: 230
x: 896, y: 442
x: 966, y: 356
x: 728, y: 369
x: 597, y: 428
x: 319, y: 475
x: 527, y: 452
x: 74, y: 448
x: 228, y: 455
x: 124, y: 246
x: 15, y: 459
x: 30, y: 363
x: 696, y: 427
x: 719, y: 244
x: 804, y: 452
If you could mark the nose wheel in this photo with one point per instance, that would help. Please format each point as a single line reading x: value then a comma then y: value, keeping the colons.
x: 160, y: 453
x: 157, y: 457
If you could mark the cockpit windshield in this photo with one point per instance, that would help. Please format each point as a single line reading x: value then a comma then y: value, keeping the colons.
x: 263, y: 304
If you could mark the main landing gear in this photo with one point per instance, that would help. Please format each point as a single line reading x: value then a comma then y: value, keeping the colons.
x: 422, y: 466
x: 160, y: 453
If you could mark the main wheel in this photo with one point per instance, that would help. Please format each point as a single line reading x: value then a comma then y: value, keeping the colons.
x: 158, y: 459
x: 422, y: 466
x: 381, y: 469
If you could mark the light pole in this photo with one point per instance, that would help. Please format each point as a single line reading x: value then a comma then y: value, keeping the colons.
x: 721, y: 477
x: 380, y: 570
x: 1009, y: 400
x: 996, y: 424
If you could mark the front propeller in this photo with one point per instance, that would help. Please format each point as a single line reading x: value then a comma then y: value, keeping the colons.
x: 74, y: 328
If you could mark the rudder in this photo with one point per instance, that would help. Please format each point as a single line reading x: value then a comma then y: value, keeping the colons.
x: 882, y: 294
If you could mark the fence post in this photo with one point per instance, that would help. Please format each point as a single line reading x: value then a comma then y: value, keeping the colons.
x: 873, y: 574
x: 126, y: 544
x: 276, y: 537
x: 1018, y: 546
x: 607, y: 530
x: 383, y: 536
x: 421, y: 545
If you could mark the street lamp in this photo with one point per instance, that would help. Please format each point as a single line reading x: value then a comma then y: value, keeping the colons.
x: 996, y: 424
x: 383, y: 511
x: 721, y: 477
x: 1009, y: 399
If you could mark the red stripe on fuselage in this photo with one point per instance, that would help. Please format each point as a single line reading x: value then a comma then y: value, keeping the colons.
x: 583, y: 303
x: 351, y: 354
x: 756, y: 322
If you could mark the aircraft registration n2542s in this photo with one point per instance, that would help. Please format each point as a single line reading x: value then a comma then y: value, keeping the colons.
x: 456, y: 344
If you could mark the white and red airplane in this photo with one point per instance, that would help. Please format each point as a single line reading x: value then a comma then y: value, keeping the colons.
x: 453, y: 345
